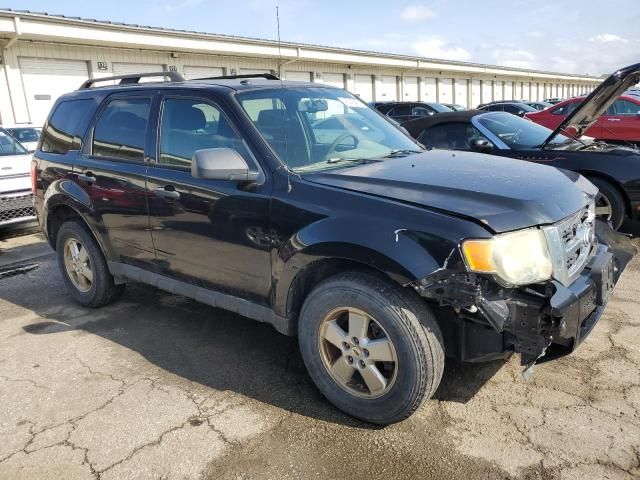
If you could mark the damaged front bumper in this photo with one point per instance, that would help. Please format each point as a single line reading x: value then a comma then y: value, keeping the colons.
x: 482, y: 321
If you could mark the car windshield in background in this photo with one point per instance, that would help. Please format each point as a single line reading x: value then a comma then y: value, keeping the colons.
x: 438, y: 107
x: 9, y: 146
x: 24, y: 134
x: 518, y: 133
x: 316, y: 128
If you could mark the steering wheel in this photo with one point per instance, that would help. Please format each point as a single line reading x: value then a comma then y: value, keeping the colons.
x: 337, y: 141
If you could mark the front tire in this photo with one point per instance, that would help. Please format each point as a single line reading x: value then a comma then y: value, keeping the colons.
x: 610, y: 205
x: 374, y: 350
x: 83, y: 266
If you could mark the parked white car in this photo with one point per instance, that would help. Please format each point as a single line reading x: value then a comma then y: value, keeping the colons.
x: 26, y: 134
x: 16, y: 199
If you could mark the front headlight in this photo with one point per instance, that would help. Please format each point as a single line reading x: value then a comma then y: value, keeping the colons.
x: 517, y: 258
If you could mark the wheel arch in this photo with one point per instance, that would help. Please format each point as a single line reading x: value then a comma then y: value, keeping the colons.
x: 615, y: 183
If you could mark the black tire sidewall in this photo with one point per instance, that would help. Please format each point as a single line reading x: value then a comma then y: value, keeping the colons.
x: 407, y: 335
x: 102, y: 287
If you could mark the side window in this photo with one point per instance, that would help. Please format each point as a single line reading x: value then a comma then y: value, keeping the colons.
x: 450, y: 136
x: 498, y: 107
x: 420, y: 111
x: 189, y: 125
x: 121, y: 130
x: 67, y: 126
x: 624, y: 107
x: 401, y: 111
x: 565, y: 109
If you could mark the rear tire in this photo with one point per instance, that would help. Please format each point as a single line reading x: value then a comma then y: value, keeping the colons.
x: 609, y: 197
x: 396, y: 364
x: 83, y: 266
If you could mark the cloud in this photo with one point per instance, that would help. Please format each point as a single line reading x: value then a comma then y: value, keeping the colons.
x: 436, y: 47
x: 416, y: 13
x: 608, y: 38
x: 515, y: 58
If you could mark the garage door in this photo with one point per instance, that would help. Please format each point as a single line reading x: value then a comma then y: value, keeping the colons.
x: 487, y: 93
x: 333, y: 79
x: 202, y: 72
x: 429, y: 92
x: 410, y: 89
x: 445, y: 90
x: 461, y: 92
x: 44, y: 80
x: 476, y: 93
x: 508, y: 91
x: 130, y: 68
x: 497, y: 91
x: 388, y: 89
x: 298, y: 76
x: 364, y: 87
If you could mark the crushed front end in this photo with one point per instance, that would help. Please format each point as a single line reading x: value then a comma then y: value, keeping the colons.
x: 483, y: 319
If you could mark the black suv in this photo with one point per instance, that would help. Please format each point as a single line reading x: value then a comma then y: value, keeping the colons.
x: 298, y: 205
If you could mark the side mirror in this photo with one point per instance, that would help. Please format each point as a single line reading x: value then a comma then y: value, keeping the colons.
x: 480, y: 145
x: 521, y: 113
x: 221, y: 164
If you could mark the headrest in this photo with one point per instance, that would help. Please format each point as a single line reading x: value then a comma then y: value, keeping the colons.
x: 184, y: 116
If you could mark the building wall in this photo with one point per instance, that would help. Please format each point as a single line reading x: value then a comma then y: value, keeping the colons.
x: 17, y: 102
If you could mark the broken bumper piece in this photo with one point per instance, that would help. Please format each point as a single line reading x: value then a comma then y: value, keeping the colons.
x: 483, y: 321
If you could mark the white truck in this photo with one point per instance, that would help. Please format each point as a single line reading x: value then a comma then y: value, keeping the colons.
x: 16, y: 198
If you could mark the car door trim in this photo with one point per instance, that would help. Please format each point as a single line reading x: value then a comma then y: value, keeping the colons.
x: 123, y: 272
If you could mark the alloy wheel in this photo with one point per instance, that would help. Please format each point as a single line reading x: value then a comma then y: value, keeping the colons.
x: 603, y: 207
x: 357, y: 353
x: 78, y: 265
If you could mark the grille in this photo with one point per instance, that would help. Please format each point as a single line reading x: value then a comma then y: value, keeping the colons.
x: 16, y: 207
x: 572, y: 243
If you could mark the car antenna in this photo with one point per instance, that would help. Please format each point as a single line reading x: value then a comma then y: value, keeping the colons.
x: 284, y: 111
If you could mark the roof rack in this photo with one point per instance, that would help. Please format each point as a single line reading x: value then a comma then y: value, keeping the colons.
x: 133, y: 78
x: 268, y: 76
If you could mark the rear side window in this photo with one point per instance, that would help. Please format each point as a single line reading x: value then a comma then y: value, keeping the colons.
x: 67, y: 126
x: 121, y: 130
x: 565, y: 109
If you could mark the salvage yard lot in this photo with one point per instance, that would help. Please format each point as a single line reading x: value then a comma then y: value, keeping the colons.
x: 157, y: 386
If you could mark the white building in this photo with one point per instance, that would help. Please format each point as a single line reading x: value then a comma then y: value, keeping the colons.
x: 43, y: 56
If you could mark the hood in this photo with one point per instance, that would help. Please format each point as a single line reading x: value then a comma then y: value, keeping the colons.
x: 597, y: 102
x: 500, y: 193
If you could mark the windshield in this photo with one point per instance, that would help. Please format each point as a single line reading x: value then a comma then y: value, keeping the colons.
x: 440, y: 108
x: 518, y: 133
x: 315, y: 128
x: 24, y: 134
x: 9, y: 146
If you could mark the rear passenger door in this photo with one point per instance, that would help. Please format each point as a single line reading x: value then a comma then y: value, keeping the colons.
x: 214, y: 233
x: 112, y: 170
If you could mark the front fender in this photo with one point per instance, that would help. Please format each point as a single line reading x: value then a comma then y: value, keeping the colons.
x: 402, y: 254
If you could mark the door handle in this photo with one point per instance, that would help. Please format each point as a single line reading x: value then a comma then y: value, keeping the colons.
x: 613, y: 119
x: 87, y: 178
x: 168, y: 192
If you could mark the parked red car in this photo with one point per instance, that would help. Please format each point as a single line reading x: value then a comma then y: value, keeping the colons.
x: 619, y: 124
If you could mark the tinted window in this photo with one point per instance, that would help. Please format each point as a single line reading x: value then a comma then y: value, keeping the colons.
x: 67, y: 126
x: 421, y: 111
x: 401, y: 111
x: 121, y: 130
x: 450, y: 136
x: 495, y: 108
x: 189, y: 125
x: 623, y: 107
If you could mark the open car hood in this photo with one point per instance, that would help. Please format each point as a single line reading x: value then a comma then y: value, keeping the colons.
x: 597, y: 102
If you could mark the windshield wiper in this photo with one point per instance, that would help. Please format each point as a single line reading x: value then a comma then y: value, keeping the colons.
x: 334, y: 161
x: 401, y: 153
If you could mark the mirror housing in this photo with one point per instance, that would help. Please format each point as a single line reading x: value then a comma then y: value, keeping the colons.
x: 221, y: 164
x: 480, y: 145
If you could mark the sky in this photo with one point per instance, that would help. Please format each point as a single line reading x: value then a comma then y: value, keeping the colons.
x: 586, y: 36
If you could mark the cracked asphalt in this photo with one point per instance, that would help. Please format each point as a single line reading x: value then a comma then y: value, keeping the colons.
x: 157, y: 386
